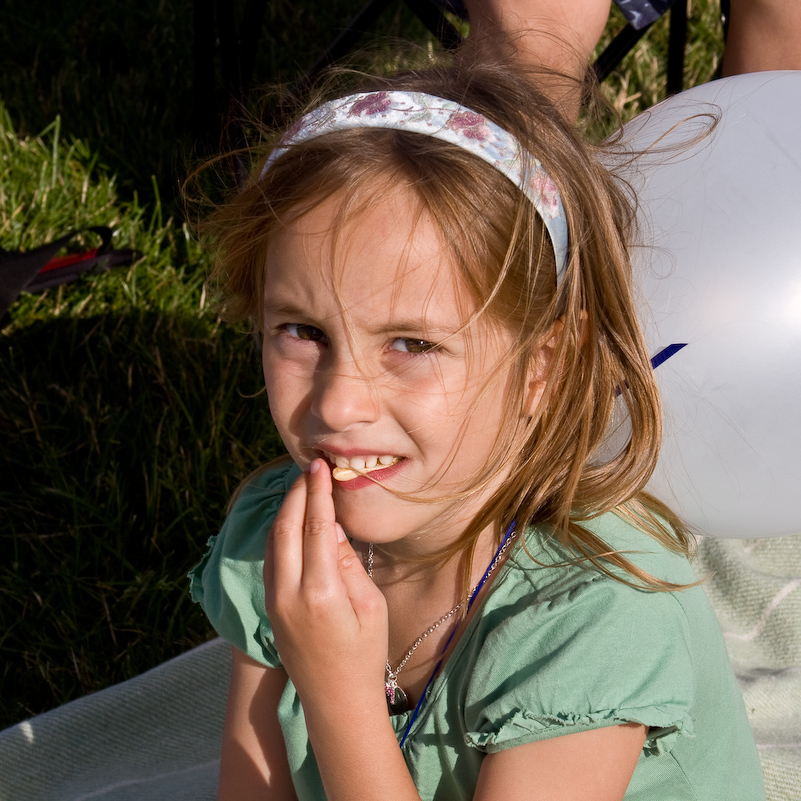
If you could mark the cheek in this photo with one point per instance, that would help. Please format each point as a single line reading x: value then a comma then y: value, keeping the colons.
x: 428, y: 406
x: 486, y: 416
x: 286, y: 391
x: 285, y: 374
x: 451, y: 421
x: 266, y: 368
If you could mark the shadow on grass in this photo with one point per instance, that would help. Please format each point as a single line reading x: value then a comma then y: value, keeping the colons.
x: 122, y: 439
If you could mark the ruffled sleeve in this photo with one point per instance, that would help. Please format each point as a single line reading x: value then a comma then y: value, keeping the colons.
x: 589, y: 654
x: 228, y: 581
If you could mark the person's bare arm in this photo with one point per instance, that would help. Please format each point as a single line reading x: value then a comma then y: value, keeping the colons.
x: 595, y: 765
x: 253, y: 764
x: 763, y: 35
x: 558, y: 35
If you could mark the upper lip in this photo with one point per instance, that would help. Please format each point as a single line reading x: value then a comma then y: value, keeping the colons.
x: 349, y: 453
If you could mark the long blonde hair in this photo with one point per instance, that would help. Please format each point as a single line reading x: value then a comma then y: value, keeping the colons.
x: 507, y: 265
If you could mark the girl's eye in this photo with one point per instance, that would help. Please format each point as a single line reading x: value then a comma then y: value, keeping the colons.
x: 412, y: 345
x: 306, y: 333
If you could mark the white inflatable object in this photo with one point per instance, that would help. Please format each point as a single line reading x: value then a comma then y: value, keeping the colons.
x: 723, y: 275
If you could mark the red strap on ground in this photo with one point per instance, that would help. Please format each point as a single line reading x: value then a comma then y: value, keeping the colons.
x: 65, y: 261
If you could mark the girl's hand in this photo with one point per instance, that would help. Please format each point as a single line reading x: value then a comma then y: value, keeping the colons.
x: 331, y: 631
x: 328, y: 618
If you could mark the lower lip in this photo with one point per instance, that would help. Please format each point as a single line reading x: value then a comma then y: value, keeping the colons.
x: 371, y: 478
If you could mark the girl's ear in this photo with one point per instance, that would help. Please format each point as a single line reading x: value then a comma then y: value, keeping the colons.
x: 540, y: 368
x: 542, y: 363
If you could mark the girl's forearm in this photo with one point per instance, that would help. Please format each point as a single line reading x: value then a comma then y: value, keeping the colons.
x: 357, y: 753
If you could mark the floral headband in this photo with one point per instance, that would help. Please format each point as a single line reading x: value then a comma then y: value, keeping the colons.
x: 451, y: 122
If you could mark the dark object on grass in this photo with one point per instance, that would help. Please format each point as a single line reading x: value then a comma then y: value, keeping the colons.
x: 39, y: 269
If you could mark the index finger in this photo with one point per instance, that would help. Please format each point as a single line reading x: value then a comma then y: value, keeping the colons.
x: 283, y: 556
x: 320, y: 538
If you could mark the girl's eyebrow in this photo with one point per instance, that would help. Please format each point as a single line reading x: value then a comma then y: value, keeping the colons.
x: 283, y: 308
x: 408, y: 324
x: 416, y: 325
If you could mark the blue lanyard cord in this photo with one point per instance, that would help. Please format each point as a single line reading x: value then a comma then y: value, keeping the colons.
x: 473, y: 595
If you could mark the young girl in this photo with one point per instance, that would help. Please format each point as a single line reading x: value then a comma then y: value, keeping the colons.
x: 445, y: 592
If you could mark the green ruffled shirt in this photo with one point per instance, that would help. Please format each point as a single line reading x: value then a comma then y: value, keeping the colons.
x: 554, y: 650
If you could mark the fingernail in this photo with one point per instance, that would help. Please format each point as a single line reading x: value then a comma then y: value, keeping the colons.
x: 314, y: 466
x: 340, y: 533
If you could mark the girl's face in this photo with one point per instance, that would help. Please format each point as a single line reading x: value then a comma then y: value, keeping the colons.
x: 367, y: 365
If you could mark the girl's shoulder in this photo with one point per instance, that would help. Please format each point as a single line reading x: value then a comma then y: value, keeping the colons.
x: 553, y: 569
x: 562, y: 646
x: 256, y: 503
x: 227, y: 582
x: 264, y: 489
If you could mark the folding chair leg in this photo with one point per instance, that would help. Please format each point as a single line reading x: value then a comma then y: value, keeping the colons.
x: 676, y: 47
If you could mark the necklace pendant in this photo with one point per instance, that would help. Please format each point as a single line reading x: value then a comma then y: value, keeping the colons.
x: 397, y: 702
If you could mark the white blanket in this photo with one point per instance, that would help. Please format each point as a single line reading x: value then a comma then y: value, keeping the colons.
x: 153, y: 738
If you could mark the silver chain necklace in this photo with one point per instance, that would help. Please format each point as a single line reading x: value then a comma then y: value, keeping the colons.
x: 397, y: 700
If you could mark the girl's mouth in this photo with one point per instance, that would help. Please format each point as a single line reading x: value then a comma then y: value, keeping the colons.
x: 348, y: 468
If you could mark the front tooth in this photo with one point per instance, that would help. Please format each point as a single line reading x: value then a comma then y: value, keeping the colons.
x: 357, y: 463
x: 342, y: 462
x: 370, y: 462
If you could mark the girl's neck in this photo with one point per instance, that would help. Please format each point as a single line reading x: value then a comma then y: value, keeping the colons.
x: 429, y: 599
x: 422, y: 561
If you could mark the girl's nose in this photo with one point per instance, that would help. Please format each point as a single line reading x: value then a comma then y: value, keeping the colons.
x: 344, y: 397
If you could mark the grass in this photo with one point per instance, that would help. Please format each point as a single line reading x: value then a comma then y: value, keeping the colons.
x: 640, y: 81
x: 128, y: 413
x: 125, y: 427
